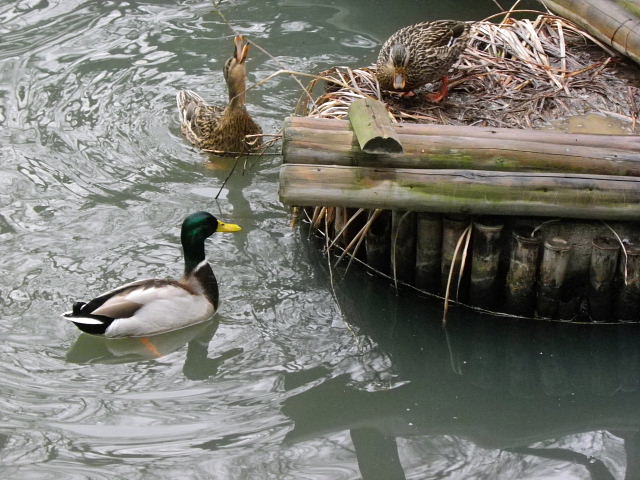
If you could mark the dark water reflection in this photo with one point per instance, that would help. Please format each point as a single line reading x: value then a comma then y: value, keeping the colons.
x: 490, y: 396
x: 288, y: 381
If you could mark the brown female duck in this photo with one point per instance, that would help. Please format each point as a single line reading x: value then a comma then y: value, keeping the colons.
x: 420, y: 54
x: 222, y: 129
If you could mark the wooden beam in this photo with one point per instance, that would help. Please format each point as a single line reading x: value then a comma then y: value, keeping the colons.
x: 463, y: 191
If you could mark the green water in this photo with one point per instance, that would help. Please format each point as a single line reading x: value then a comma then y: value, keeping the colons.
x: 290, y: 381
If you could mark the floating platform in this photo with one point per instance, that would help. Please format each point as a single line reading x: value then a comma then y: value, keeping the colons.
x: 534, y: 222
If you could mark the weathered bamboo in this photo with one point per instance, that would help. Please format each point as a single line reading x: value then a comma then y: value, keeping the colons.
x: 378, y: 242
x: 340, y: 147
x: 553, y: 269
x: 485, y: 260
x: 523, y: 268
x: 614, y: 142
x: 339, y: 223
x: 452, y: 229
x: 403, y: 245
x: 628, y: 306
x: 615, y: 23
x: 466, y: 191
x: 371, y: 124
x: 602, y: 269
x: 428, y: 251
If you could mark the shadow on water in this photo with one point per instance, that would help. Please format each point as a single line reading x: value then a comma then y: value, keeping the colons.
x: 508, y: 386
x: 197, y: 365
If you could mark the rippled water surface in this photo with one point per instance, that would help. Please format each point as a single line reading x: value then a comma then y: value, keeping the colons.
x: 289, y: 381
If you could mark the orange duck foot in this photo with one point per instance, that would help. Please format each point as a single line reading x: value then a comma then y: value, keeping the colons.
x: 442, y: 93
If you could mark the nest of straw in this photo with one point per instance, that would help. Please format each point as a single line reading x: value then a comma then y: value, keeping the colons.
x: 516, y: 74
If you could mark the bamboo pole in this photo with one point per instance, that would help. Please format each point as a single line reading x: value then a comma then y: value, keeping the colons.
x: 616, y: 142
x: 553, y: 269
x: 615, y: 23
x: 378, y: 242
x: 452, y: 230
x: 463, y: 191
x: 523, y: 268
x: 372, y: 127
x: 602, y: 268
x: 403, y: 245
x: 428, y: 251
x: 484, y: 265
x: 307, y: 145
x: 628, y: 305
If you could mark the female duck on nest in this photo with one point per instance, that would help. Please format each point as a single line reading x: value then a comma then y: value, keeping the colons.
x: 216, y: 128
x: 149, y: 307
x: 420, y: 54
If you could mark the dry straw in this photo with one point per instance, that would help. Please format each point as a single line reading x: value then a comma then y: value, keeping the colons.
x: 516, y: 74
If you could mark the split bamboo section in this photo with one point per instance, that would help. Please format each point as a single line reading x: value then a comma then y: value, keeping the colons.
x: 616, y: 23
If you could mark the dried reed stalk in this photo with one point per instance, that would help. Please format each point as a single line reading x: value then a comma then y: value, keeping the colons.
x: 519, y: 74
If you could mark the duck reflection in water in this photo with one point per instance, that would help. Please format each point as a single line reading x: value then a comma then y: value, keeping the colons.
x: 495, y: 397
x: 197, y: 365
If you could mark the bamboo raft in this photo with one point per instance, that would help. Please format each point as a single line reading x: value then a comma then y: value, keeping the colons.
x: 530, y: 220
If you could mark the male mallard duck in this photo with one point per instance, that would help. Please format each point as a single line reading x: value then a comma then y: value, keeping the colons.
x: 149, y: 307
x: 216, y: 128
x: 421, y: 53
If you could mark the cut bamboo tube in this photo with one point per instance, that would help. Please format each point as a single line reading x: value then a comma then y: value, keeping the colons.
x: 428, y: 251
x: 615, y: 23
x: 523, y: 268
x: 628, y: 305
x: 485, y: 261
x: 306, y: 145
x: 602, y: 269
x: 553, y: 270
x: 452, y: 229
x: 403, y: 245
x: 378, y: 242
x: 466, y: 191
x: 371, y: 124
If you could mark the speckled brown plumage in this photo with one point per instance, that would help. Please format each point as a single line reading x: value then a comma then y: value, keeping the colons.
x: 219, y: 129
x: 420, y: 54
